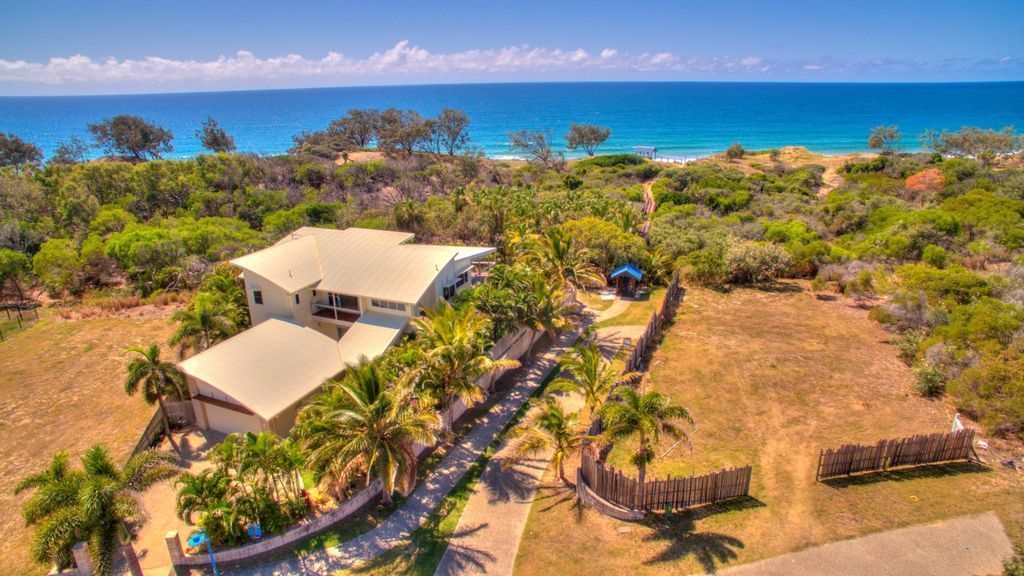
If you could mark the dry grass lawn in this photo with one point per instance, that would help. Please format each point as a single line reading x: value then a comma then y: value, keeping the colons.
x: 61, y: 388
x: 771, y: 377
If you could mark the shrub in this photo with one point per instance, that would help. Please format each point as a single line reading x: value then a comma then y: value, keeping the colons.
x: 735, y: 151
x: 934, y: 255
x: 571, y: 182
x: 987, y: 323
x: 755, y: 262
x: 610, y: 160
x: 314, y: 175
x: 929, y: 380
x: 909, y: 343
x: 954, y: 284
x: 992, y: 390
x: 706, y: 267
x: 907, y: 311
x: 1014, y: 565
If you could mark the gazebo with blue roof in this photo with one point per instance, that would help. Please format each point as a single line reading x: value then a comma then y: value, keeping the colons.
x: 626, y: 277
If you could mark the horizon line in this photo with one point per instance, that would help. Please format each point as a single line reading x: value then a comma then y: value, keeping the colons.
x: 514, y: 83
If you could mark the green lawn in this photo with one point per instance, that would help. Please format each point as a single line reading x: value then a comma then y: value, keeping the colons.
x: 639, y: 311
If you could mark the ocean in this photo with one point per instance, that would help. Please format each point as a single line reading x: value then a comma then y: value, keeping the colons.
x: 685, y: 119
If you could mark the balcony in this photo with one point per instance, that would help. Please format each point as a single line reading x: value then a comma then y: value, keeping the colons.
x: 332, y: 313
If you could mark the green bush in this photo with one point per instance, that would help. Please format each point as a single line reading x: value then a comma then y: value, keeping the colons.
x: 992, y: 391
x: 314, y: 175
x: 934, y: 255
x: 610, y: 160
x: 1014, y: 565
x: 954, y: 284
x: 735, y: 151
x: 929, y: 380
x: 909, y: 343
x: 754, y: 262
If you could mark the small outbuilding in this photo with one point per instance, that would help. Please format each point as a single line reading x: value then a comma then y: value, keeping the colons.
x: 626, y: 279
x: 645, y: 151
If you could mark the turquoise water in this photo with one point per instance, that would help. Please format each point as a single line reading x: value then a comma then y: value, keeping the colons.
x: 680, y: 118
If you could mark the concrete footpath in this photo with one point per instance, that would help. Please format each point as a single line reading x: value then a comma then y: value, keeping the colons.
x: 962, y: 546
x: 395, y: 530
x: 494, y: 518
x: 496, y: 513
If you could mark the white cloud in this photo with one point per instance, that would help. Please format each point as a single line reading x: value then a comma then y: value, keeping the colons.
x: 401, y: 59
x: 406, y: 60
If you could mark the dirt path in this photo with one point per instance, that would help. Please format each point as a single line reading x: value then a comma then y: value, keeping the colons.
x: 959, y: 546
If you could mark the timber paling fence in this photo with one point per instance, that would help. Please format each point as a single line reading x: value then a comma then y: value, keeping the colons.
x: 178, y: 412
x: 615, y: 487
x: 915, y: 450
x: 657, y: 495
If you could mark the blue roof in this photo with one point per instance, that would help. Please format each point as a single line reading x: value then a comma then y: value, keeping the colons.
x: 627, y: 269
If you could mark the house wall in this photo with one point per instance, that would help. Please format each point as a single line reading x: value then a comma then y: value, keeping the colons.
x: 276, y: 302
x: 221, y: 419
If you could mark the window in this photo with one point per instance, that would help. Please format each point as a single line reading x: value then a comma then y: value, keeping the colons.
x: 449, y: 291
x: 463, y: 278
x: 387, y: 305
x: 257, y: 296
x: 342, y: 301
x: 296, y: 298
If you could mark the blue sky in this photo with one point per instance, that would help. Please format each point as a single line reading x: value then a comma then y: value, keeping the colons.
x: 64, y: 47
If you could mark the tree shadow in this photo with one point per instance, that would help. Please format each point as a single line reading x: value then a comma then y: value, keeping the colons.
x: 462, y: 557
x: 904, y: 474
x: 710, y: 548
x: 553, y: 496
x: 779, y: 287
x: 515, y: 483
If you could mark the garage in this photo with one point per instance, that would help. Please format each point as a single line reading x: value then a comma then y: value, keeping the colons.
x: 257, y: 379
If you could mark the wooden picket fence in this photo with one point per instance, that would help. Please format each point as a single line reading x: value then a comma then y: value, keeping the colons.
x: 657, y: 495
x: 915, y: 450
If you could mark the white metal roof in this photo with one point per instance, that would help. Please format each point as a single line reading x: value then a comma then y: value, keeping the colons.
x: 269, y: 367
x: 370, y: 263
x: 291, y: 265
x: 370, y: 336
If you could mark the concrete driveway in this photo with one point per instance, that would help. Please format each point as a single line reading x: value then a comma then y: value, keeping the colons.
x: 962, y: 546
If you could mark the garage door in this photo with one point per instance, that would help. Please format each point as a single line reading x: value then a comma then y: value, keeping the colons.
x: 230, y: 421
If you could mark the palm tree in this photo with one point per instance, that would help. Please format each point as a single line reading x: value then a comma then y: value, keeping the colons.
x: 207, y: 320
x: 453, y: 357
x: 157, y: 380
x: 201, y: 493
x: 94, y: 505
x: 549, y: 309
x: 645, y: 416
x: 359, y: 422
x: 590, y: 376
x: 224, y: 281
x: 547, y: 426
x: 566, y: 262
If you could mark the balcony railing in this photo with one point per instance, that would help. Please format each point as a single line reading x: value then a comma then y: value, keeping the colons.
x: 332, y: 313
